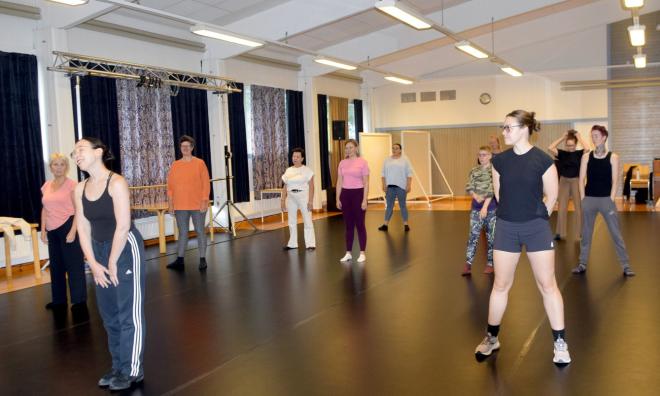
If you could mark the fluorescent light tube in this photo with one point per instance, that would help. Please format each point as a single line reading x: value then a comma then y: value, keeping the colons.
x: 398, y: 80
x: 402, y: 13
x: 511, y: 71
x: 640, y: 60
x: 468, y: 48
x: 633, y: 3
x: 636, y: 33
x: 336, y: 64
x: 71, y: 2
x: 217, y: 34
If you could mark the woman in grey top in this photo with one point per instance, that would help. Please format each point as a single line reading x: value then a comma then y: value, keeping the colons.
x: 397, y: 178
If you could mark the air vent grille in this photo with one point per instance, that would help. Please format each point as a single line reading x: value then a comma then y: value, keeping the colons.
x: 448, y: 95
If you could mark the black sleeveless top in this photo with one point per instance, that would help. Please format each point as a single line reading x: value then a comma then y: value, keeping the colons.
x: 599, y: 176
x: 100, y: 214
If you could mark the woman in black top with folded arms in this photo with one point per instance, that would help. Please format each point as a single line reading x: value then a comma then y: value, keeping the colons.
x: 521, y: 176
x: 115, y: 252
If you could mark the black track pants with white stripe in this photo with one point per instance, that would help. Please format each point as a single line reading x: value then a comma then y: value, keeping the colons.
x: 122, y: 306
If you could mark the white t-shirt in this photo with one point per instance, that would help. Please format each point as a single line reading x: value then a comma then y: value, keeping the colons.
x: 297, y: 178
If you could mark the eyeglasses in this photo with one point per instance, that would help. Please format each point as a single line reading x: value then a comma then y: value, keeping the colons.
x: 78, y: 150
x: 507, y: 128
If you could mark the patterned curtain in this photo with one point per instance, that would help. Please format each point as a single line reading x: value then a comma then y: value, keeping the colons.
x: 146, y: 143
x: 270, y: 145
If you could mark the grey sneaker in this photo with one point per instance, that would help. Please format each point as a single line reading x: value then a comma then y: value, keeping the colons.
x: 121, y: 382
x: 627, y: 271
x: 104, y: 381
x: 580, y: 269
x: 562, y: 357
x: 487, y: 346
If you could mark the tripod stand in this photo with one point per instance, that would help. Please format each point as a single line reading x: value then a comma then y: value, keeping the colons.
x: 229, y: 203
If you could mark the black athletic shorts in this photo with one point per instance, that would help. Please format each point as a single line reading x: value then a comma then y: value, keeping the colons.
x: 535, y: 234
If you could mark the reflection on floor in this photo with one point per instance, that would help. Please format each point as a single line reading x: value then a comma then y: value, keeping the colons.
x: 24, y: 278
x: 263, y: 321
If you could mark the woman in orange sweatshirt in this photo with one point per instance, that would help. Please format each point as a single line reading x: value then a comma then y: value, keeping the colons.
x: 188, y: 187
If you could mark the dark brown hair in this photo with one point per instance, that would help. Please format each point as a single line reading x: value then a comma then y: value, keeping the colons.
x: 187, y: 138
x: 526, y: 118
x: 97, y: 143
x: 298, y: 150
x: 398, y: 144
x: 572, y: 135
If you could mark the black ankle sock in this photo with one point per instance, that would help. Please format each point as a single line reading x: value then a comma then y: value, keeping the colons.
x: 557, y: 334
x: 493, y: 330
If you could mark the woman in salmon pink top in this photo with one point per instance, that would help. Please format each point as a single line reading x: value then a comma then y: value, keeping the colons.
x: 188, y: 187
x: 352, y: 192
x: 58, y: 230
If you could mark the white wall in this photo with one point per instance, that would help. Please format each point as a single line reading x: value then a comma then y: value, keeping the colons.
x: 539, y: 93
x: 17, y: 34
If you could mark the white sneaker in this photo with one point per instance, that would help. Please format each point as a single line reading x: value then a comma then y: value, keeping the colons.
x: 487, y: 346
x: 362, y: 258
x: 347, y: 257
x: 562, y: 356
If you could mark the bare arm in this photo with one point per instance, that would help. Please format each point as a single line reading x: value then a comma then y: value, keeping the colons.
x: 496, y: 184
x: 283, y: 198
x: 583, y: 174
x: 310, y: 202
x: 118, y: 190
x: 71, y: 236
x: 614, y: 160
x: 409, y: 184
x: 550, y: 188
x: 384, y: 183
x: 44, y: 237
x: 365, y: 180
x: 338, y: 190
x: 585, y: 145
x: 553, y: 146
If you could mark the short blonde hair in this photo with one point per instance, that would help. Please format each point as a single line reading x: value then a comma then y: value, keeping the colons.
x: 57, y: 157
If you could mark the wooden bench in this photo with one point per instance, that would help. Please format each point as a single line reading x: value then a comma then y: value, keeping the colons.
x: 35, y: 253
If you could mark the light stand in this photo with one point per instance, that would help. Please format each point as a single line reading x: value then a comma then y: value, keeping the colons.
x: 229, y: 203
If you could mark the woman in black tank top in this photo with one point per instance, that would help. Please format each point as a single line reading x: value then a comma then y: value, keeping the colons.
x: 600, y: 171
x: 115, y: 252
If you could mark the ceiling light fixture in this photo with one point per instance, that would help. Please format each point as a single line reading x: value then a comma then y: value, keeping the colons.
x: 511, y: 71
x: 633, y: 3
x: 329, y: 62
x: 640, y: 61
x: 406, y: 15
x: 636, y: 33
x: 71, y: 2
x: 470, y: 49
x: 206, y: 31
x: 398, y: 80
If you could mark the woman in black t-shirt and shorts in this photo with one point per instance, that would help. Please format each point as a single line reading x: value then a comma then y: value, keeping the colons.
x: 521, y: 176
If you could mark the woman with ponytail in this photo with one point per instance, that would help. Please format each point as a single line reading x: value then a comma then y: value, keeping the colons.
x: 521, y: 176
x: 115, y: 252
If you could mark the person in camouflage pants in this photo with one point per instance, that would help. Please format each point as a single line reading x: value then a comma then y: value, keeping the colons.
x: 482, y: 215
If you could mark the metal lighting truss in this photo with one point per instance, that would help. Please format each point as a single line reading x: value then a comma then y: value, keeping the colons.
x: 82, y: 65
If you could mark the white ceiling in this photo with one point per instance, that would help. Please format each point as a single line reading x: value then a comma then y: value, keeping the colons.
x: 533, y: 35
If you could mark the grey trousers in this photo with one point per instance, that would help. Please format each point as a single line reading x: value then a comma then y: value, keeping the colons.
x: 591, y: 206
x: 183, y: 224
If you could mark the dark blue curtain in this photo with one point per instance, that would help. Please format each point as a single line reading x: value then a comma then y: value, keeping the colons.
x: 237, y: 135
x: 359, y: 126
x: 322, y: 101
x: 21, y: 155
x: 190, y: 116
x: 98, y: 108
x: 295, y: 119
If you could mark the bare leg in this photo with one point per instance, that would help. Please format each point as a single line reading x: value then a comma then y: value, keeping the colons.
x: 505, y: 268
x: 543, y: 266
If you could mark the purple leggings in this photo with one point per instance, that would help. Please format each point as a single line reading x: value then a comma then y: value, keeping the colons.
x: 351, y: 206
